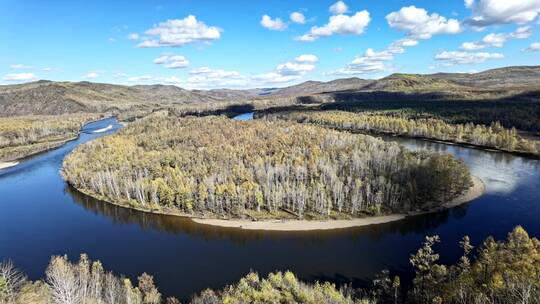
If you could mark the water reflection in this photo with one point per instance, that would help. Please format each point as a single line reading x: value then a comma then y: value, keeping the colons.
x: 502, y: 172
x: 179, y: 225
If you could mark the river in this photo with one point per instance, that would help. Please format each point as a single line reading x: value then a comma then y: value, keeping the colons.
x: 40, y: 216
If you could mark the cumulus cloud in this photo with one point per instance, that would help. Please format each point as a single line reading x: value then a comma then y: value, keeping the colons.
x: 289, y: 71
x: 206, y: 77
x: 418, y: 24
x: 273, y: 24
x: 173, y: 80
x: 372, y: 61
x: 297, y: 17
x: 307, y: 58
x: 20, y: 66
x: 142, y: 78
x: 179, y: 32
x: 338, y: 8
x: 172, y: 61
x: 497, y: 39
x: 469, y: 3
x: 449, y: 58
x: 339, y: 24
x: 19, y: 77
x: 490, y: 12
x: 133, y: 36
x: 534, y: 47
x: 119, y: 75
x: 92, y: 75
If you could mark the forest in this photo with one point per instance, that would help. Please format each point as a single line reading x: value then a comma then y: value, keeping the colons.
x: 506, y: 271
x: 24, y: 135
x: 492, y: 136
x: 215, y: 166
x: 522, y: 113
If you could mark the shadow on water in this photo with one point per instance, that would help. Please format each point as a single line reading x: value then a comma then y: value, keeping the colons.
x: 181, y: 225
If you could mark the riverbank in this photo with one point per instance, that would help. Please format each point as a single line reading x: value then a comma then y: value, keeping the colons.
x: 477, y: 189
x: 436, y: 140
x: 19, y: 153
x: 5, y: 165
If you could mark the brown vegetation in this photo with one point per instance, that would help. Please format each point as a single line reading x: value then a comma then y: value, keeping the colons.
x: 26, y: 135
x: 260, y: 168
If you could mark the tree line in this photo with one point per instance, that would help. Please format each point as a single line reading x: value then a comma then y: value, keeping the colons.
x: 522, y: 113
x: 493, y: 136
x: 24, y: 135
x: 506, y: 271
x: 220, y: 167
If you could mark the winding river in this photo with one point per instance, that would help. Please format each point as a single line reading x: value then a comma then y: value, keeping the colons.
x: 41, y: 216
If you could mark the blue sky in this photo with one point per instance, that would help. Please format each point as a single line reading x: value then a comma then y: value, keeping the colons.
x: 240, y: 44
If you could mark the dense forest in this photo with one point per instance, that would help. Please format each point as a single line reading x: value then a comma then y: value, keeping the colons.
x: 505, y: 271
x: 493, y: 136
x: 218, y: 166
x: 522, y: 114
x: 25, y: 135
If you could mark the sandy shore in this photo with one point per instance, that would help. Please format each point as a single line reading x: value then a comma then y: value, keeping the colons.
x: 4, y: 165
x: 474, y: 192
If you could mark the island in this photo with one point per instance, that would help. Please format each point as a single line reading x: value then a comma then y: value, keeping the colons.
x: 282, y: 175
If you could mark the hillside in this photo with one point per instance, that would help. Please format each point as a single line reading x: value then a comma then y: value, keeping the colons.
x: 313, y: 87
x: 507, y: 77
x: 47, y: 97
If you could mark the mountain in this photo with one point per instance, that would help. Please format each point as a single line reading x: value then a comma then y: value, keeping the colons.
x: 48, y: 97
x: 508, y: 77
x: 314, y: 87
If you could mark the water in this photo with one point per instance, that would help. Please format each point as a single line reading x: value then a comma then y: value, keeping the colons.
x: 41, y: 216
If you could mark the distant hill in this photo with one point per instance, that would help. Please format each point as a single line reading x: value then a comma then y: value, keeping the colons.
x: 314, y: 87
x: 508, y: 77
x: 48, y: 97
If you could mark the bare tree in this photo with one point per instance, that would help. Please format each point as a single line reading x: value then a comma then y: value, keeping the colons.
x: 12, y: 281
x: 63, y: 281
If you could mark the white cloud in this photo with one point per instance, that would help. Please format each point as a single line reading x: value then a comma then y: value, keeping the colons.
x: 120, y: 75
x: 179, y: 32
x: 171, y: 80
x: 419, y: 25
x: 273, y: 24
x: 497, y: 39
x: 172, y: 61
x: 534, y: 47
x: 523, y: 32
x: 339, y: 24
x: 92, y: 75
x: 490, y: 12
x: 133, y: 36
x: 297, y: 17
x: 469, y: 3
x: 206, y: 77
x: 338, y: 8
x: 111, y: 39
x: 142, y: 78
x: 47, y: 69
x: 20, y: 77
x: 449, y: 58
x: 20, y: 66
x: 372, y: 61
x: 307, y: 58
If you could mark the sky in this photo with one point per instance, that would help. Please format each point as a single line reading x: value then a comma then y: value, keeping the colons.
x: 203, y: 44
